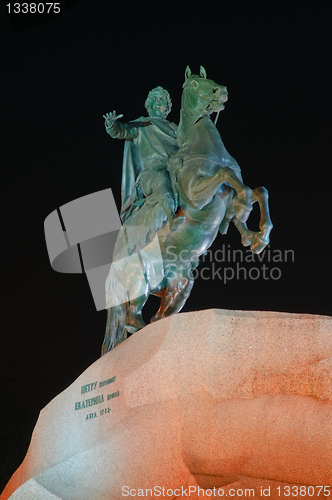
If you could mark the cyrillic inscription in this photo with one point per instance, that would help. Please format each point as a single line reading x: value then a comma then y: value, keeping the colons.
x: 80, y: 405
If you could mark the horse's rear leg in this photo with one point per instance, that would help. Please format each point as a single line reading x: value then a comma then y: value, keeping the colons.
x: 115, y: 327
x: 173, y: 297
x: 135, y: 319
x: 123, y: 319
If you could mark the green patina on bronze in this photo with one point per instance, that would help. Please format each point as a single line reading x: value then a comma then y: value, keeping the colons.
x: 181, y: 186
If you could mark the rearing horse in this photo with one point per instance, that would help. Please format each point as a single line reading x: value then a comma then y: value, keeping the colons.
x: 148, y: 256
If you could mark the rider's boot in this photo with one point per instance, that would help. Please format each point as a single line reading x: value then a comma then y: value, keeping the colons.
x: 175, y: 221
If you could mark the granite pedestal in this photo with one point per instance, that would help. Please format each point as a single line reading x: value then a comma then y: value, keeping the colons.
x: 210, y: 403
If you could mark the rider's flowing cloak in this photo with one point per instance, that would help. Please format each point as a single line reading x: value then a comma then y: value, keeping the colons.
x: 154, y: 135
x: 132, y: 166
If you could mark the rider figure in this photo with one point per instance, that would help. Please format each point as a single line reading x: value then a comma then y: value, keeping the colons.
x: 150, y: 142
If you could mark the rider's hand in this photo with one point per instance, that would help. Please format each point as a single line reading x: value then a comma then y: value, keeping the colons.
x: 111, y: 117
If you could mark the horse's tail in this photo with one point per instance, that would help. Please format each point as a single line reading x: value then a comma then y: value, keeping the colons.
x: 115, y: 327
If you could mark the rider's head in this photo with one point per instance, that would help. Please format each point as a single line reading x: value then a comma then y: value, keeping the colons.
x: 158, y: 103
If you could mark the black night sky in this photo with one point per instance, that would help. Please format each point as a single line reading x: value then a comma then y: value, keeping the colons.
x: 60, y: 77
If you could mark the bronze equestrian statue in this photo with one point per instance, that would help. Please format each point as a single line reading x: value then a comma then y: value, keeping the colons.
x: 206, y: 185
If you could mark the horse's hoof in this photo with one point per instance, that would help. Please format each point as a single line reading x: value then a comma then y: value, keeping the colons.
x: 131, y: 329
x: 257, y: 249
x: 258, y: 244
x: 118, y: 342
x: 246, y: 242
x: 155, y: 318
x: 247, y: 238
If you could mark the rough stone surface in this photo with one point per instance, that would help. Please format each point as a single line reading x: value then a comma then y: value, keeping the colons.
x: 222, y: 399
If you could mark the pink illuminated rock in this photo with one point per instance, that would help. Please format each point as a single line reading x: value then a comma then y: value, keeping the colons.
x: 236, y: 403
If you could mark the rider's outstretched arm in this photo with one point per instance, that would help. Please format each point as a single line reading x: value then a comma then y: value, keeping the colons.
x: 119, y: 130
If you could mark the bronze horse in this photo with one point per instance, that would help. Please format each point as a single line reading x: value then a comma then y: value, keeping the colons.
x: 207, y: 180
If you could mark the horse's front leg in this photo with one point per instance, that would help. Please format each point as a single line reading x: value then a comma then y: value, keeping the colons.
x: 198, y: 189
x: 241, y: 204
x: 265, y: 223
x: 257, y: 239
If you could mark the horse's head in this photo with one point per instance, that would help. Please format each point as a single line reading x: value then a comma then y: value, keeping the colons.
x: 201, y: 96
